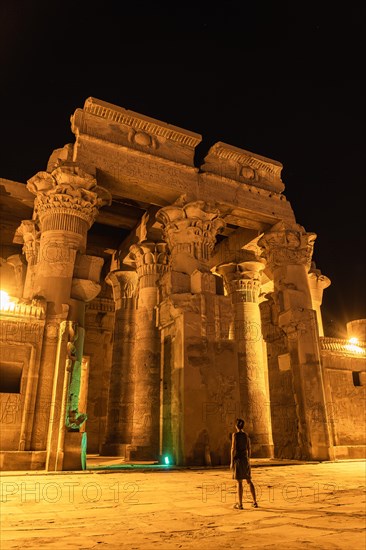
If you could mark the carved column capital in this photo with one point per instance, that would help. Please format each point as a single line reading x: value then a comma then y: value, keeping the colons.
x: 318, y: 282
x: 67, y: 199
x: 287, y: 244
x: 124, y: 286
x: 150, y: 261
x: 242, y: 280
x: 28, y: 234
x: 190, y: 230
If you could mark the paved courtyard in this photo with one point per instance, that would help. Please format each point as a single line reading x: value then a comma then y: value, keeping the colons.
x: 312, y: 506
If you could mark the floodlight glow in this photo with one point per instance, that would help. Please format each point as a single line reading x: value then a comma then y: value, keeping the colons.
x: 5, y: 303
x: 166, y: 460
x: 352, y: 346
x: 4, y: 299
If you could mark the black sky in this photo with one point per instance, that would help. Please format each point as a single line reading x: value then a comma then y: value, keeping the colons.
x: 283, y: 80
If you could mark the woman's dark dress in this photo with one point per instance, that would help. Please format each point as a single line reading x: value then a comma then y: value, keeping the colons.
x: 241, y: 464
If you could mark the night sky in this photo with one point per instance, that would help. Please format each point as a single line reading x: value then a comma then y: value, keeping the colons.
x: 279, y: 79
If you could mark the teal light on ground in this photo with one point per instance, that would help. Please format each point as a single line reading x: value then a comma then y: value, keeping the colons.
x: 166, y: 460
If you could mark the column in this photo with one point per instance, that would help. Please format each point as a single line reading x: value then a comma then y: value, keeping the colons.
x: 288, y: 249
x: 190, y: 231
x: 200, y: 386
x: 317, y: 283
x: 151, y: 262
x: 243, y: 283
x: 121, y: 385
x: 66, y: 205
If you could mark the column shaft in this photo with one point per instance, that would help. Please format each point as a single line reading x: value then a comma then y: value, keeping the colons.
x: 150, y: 262
x: 288, y: 250
x: 66, y: 205
x: 119, y: 426
x: 242, y: 281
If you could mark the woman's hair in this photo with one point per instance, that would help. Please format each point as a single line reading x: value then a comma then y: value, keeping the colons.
x: 240, y: 423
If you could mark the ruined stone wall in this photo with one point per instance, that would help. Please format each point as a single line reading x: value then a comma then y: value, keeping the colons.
x: 21, y: 337
x: 214, y: 403
x: 282, y: 400
x: 200, y: 393
x: 345, y: 388
x: 12, y: 403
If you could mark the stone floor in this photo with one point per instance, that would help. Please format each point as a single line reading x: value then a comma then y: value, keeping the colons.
x: 301, y: 506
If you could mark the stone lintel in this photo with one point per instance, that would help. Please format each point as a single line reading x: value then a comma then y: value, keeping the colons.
x: 129, y: 174
x: 241, y: 165
x: 136, y: 131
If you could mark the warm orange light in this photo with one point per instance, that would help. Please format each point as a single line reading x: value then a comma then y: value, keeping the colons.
x: 5, y: 303
x: 353, y: 345
x: 4, y: 299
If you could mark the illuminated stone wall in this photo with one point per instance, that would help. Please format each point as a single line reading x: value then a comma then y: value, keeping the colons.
x: 152, y: 344
x: 344, y: 369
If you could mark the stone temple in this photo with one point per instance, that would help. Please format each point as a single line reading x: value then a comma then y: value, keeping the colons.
x: 147, y: 302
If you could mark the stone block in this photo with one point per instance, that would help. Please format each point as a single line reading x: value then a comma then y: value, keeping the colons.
x: 203, y: 282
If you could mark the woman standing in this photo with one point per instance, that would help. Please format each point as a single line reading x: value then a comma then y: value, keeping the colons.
x: 240, y: 464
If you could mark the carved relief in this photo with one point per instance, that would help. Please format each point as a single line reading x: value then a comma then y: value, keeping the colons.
x: 248, y: 173
x: 286, y: 244
x: 143, y: 139
x: 234, y: 163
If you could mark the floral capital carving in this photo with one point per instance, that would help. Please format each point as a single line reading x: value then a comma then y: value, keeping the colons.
x: 286, y: 244
x: 191, y: 228
x: 124, y: 287
x: 67, y: 190
x: 150, y: 261
x: 242, y: 279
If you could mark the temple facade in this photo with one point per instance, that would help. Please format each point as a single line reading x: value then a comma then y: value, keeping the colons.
x: 147, y: 302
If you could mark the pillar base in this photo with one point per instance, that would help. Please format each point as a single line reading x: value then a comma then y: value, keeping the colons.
x: 143, y: 453
x: 114, y: 449
x: 321, y: 453
x: 72, y: 459
x: 262, y: 451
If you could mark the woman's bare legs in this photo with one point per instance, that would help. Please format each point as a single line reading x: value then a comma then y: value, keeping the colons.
x: 240, y: 493
x: 252, y: 492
